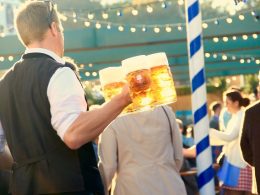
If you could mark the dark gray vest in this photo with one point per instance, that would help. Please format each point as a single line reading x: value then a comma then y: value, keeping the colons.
x: 43, y: 163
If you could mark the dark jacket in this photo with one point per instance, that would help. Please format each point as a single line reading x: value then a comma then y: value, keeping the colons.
x: 250, y: 143
x: 43, y: 163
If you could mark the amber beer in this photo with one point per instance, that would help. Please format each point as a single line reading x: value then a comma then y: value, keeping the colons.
x: 138, y: 77
x: 163, y: 88
x: 112, y: 81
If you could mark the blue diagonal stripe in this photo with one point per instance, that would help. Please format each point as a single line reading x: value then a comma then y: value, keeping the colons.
x: 202, y: 145
x: 193, y: 10
x: 198, y: 80
x: 195, y: 45
x: 200, y: 113
x: 205, y: 176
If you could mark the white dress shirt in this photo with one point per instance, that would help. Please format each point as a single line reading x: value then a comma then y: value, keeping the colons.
x: 65, y: 95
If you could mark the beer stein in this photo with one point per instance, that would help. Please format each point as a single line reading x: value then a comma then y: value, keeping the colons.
x: 138, y: 77
x: 162, y: 87
x: 112, y: 81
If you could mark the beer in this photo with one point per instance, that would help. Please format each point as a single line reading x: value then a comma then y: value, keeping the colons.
x: 112, y: 81
x: 163, y: 88
x: 112, y: 89
x: 138, y: 76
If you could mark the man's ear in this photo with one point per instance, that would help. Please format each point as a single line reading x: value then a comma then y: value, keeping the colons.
x: 54, y: 29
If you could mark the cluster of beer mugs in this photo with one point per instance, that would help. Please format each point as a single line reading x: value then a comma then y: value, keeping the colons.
x: 149, y: 79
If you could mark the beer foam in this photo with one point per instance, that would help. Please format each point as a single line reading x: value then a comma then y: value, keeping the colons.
x: 157, y: 59
x: 134, y: 63
x: 111, y: 75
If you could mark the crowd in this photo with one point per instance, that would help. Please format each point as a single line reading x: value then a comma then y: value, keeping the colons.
x: 50, y: 131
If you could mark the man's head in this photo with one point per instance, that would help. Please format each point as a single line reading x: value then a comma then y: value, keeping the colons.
x: 215, y: 108
x: 38, y: 25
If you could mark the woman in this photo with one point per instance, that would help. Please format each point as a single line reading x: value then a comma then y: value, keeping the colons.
x: 142, y: 153
x: 234, y: 175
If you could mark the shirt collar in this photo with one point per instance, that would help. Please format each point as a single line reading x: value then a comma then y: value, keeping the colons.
x: 47, y: 52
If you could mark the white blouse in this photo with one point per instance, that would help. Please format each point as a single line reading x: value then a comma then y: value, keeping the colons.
x: 230, y: 140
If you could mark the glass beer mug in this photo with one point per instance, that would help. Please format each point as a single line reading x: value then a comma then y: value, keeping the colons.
x: 138, y: 77
x: 163, y: 88
x: 112, y: 81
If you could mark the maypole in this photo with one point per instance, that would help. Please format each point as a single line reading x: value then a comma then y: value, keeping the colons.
x: 199, y: 98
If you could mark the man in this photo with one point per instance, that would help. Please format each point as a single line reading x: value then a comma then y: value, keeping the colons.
x: 43, y: 112
x: 250, y: 143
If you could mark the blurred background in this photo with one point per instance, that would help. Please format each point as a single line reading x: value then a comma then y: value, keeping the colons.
x: 101, y: 34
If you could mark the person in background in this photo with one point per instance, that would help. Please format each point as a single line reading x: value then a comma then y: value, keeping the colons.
x: 142, y: 153
x: 43, y: 112
x: 250, y: 137
x: 235, y: 175
x: 215, y: 109
x: 190, y: 181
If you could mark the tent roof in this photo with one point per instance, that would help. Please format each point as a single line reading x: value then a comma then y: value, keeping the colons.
x: 236, y: 52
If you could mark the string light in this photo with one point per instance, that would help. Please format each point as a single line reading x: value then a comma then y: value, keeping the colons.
x: 242, y: 58
x: 229, y: 20
x: 149, y: 9
x: 168, y: 29
x: 144, y: 29
x: 156, y: 29
x: 180, y: 28
x: 164, y: 5
x: 105, y: 15
x: 10, y: 58
x: 207, y: 55
x: 215, y: 39
x: 133, y: 29
x: 119, y: 13
x: 91, y: 16
x: 245, y: 37
x: 121, y: 28
x: 204, y: 25
x: 224, y: 56
x: 254, y: 36
x: 108, y: 24
x: 98, y: 25
x: 135, y: 12
x: 225, y: 39
x: 87, y: 23
x: 241, y: 17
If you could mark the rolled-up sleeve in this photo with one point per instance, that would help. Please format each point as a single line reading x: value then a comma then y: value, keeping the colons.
x: 67, y: 100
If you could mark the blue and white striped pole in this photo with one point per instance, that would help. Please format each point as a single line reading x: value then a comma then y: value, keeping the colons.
x: 199, y: 98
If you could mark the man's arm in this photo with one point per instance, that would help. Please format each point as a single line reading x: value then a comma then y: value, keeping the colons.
x: 73, y: 123
x: 90, y: 124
